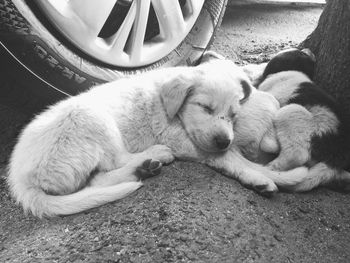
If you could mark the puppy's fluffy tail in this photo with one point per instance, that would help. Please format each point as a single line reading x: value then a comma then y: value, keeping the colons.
x: 303, y: 179
x: 44, y: 205
x: 322, y: 174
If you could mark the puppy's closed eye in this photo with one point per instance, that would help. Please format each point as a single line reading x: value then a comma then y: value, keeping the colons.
x: 207, y: 108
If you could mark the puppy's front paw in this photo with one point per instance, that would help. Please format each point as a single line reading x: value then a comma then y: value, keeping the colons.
x: 259, y: 183
x: 267, y: 189
x: 161, y: 153
x: 148, y: 169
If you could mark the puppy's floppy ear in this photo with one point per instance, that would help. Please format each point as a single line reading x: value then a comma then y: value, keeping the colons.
x: 174, y: 93
x: 254, y: 72
x: 209, y: 55
x: 247, y: 90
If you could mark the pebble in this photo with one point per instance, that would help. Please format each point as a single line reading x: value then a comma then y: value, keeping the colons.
x: 304, y: 209
x: 184, y: 238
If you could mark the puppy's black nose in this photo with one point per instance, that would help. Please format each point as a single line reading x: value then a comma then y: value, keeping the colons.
x: 222, y: 142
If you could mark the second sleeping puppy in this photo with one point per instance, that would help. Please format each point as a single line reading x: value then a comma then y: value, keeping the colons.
x: 311, y: 128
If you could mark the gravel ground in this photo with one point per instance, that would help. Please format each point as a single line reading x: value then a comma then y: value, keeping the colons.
x: 189, y: 213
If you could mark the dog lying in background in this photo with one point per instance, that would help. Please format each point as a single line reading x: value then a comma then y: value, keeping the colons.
x: 94, y: 148
x: 310, y: 129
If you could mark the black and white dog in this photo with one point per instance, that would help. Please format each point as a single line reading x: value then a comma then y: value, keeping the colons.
x: 310, y: 128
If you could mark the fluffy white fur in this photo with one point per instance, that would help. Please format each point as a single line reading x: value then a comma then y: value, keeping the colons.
x: 84, y: 151
x: 252, y: 122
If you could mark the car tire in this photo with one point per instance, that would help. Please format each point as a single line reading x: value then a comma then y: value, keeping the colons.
x: 33, y: 45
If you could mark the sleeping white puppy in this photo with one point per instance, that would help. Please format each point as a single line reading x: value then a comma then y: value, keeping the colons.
x: 89, y: 149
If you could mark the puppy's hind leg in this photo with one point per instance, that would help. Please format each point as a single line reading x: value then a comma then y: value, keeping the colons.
x: 139, y: 167
x: 293, y: 128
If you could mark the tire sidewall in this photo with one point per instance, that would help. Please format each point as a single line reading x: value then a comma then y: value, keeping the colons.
x: 31, y: 43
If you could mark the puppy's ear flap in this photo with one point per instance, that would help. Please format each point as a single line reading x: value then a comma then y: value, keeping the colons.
x: 255, y: 72
x: 209, y: 55
x: 247, y: 90
x: 174, y: 93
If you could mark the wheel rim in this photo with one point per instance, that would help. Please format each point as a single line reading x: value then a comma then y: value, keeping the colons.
x: 124, y: 33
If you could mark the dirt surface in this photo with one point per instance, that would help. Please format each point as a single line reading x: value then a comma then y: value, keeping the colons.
x: 189, y: 213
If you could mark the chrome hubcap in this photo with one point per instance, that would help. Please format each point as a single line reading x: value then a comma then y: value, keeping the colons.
x: 124, y: 33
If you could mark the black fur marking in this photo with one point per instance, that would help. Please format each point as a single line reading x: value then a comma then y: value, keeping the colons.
x: 290, y: 60
x: 331, y: 148
x: 308, y: 94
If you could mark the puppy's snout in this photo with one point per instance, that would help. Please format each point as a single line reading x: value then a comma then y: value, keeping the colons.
x: 222, y: 142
